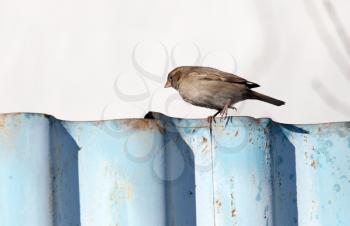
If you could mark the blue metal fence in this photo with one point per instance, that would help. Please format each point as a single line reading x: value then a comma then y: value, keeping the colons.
x: 245, y: 172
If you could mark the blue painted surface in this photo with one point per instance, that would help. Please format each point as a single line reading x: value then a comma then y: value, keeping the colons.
x: 172, y: 172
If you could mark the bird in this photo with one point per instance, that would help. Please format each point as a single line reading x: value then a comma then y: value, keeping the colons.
x: 215, y: 89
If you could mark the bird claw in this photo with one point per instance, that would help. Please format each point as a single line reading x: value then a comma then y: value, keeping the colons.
x: 224, y: 111
x: 211, y: 119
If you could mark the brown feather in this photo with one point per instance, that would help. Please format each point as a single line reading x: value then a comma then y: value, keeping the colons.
x: 209, y: 73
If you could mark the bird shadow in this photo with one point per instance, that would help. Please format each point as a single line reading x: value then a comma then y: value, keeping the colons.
x: 294, y: 129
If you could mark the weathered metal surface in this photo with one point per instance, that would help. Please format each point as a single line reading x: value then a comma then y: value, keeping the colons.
x: 172, y: 172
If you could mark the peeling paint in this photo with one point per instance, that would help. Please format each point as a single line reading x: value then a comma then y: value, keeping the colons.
x: 204, y: 140
x: 233, y: 213
x: 218, y: 203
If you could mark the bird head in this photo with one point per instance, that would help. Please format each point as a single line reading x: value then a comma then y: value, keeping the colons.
x: 174, y: 78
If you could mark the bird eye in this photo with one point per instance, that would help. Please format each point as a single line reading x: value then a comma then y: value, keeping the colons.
x: 171, y: 77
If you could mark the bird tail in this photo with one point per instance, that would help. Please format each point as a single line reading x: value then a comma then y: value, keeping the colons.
x: 262, y: 97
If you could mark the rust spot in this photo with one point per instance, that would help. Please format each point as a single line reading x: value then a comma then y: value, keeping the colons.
x: 160, y: 127
x: 313, y: 164
x: 204, y: 142
x: 232, y: 202
x: 2, y: 120
x: 143, y: 124
x: 139, y: 123
x: 16, y: 120
x: 233, y: 213
x: 257, y: 120
x: 218, y: 203
x: 237, y: 132
x: 9, y: 131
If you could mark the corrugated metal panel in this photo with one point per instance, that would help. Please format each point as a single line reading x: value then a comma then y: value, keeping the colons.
x: 172, y: 172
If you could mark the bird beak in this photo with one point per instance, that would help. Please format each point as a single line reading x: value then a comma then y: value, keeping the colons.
x: 167, y: 84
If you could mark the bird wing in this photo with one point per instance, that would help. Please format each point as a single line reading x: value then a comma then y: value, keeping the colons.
x: 207, y: 73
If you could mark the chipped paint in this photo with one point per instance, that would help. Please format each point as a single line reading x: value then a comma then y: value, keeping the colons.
x: 233, y: 202
x: 218, y: 203
x: 313, y: 163
x: 233, y: 213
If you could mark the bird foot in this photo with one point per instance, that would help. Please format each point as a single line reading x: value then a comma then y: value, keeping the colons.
x: 211, y: 119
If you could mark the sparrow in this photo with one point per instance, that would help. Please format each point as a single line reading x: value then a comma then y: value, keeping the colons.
x: 215, y: 89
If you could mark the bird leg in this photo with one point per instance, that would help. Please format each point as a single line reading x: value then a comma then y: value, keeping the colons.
x: 224, y: 111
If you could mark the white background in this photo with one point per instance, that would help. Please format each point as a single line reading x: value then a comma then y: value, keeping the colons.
x: 103, y: 59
